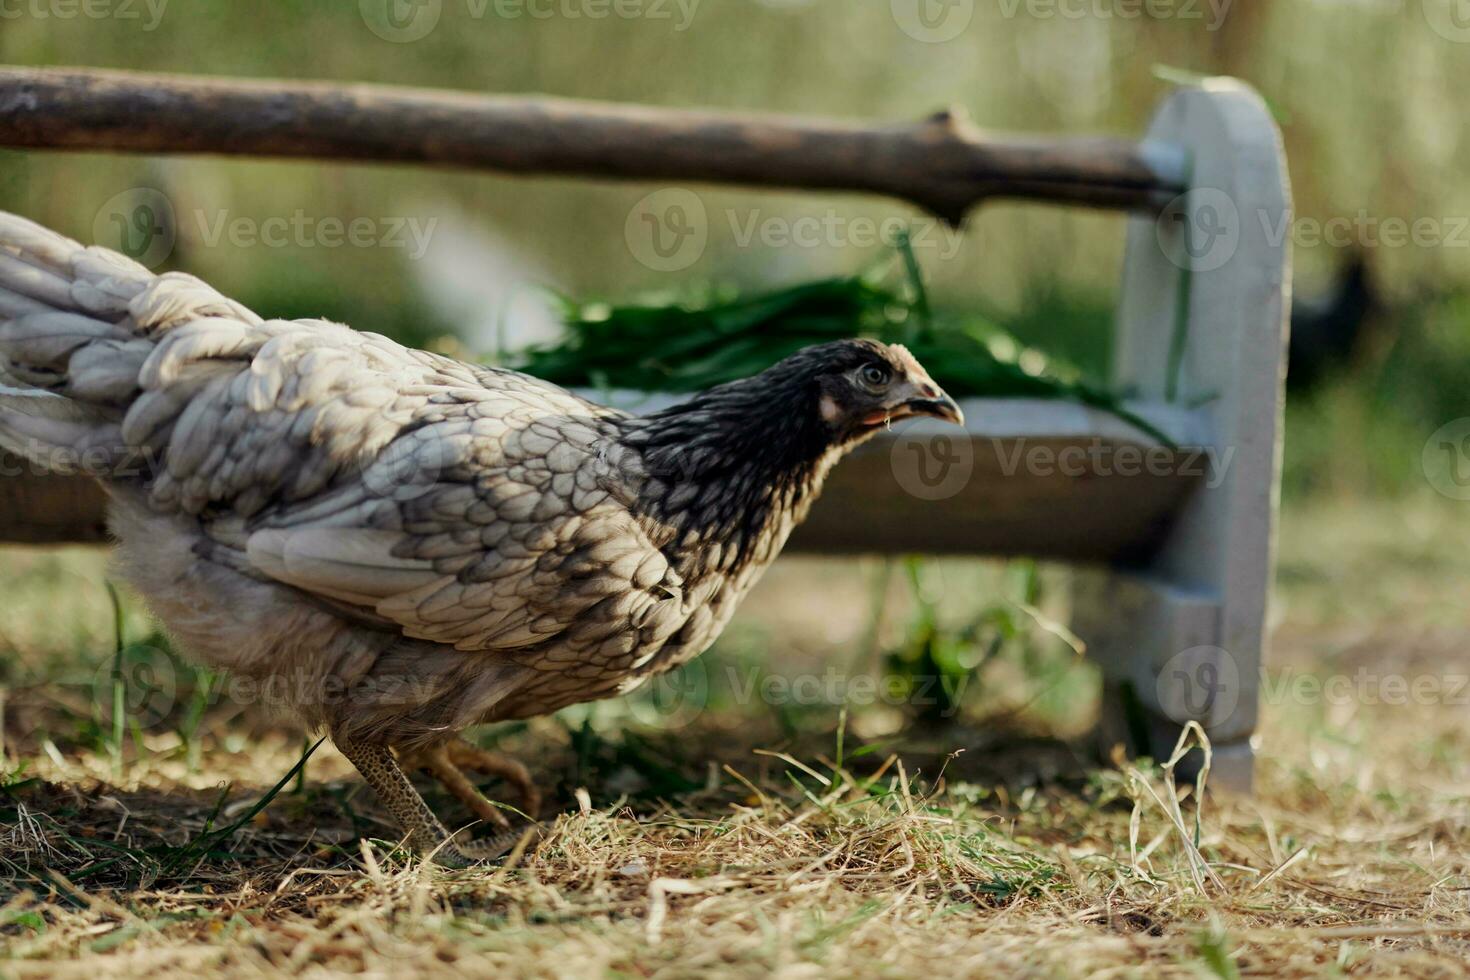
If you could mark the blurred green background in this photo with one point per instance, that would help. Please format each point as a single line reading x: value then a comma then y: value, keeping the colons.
x: 1369, y: 93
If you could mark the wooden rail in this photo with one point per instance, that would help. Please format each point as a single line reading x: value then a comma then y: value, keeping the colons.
x: 1190, y: 551
x: 1039, y: 478
x: 943, y: 164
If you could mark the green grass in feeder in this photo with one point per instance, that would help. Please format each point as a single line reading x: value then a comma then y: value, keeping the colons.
x: 672, y: 345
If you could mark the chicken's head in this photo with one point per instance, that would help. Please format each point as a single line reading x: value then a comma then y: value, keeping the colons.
x: 865, y: 385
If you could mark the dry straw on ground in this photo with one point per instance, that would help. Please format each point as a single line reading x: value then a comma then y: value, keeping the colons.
x: 735, y: 848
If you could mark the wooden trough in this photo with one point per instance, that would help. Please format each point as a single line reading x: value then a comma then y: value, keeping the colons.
x: 1173, y: 543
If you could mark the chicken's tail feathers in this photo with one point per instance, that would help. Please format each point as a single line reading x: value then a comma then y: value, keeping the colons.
x: 78, y: 325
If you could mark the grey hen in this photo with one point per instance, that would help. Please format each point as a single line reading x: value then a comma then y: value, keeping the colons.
x: 397, y: 544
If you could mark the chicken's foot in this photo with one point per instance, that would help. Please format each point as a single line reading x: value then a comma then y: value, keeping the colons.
x: 447, y: 761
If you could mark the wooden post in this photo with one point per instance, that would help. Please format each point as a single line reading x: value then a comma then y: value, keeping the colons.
x: 1203, y: 321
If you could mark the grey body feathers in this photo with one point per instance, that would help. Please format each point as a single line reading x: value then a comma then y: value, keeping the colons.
x: 400, y: 543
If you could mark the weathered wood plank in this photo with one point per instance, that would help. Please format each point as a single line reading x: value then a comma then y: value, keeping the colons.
x: 41, y: 509
x: 1025, y: 477
x: 943, y: 164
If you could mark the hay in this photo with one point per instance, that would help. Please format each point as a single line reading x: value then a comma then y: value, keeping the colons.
x: 737, y: 847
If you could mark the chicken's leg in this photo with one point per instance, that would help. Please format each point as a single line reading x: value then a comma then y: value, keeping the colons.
x: 446, y: 761
x: 426, y: 835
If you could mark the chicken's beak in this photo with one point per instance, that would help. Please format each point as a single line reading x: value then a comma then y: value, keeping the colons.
x: 939, y: 407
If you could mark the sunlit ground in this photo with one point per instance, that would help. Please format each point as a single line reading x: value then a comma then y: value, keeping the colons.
x: 726, y: 822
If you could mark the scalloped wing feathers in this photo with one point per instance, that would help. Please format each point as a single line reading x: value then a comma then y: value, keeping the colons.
x: 470, y: 506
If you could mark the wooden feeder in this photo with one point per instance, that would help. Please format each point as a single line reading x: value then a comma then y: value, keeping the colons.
x: 1173, y: 543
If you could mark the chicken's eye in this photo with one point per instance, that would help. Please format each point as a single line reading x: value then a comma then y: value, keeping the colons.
x: 874, y: 376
